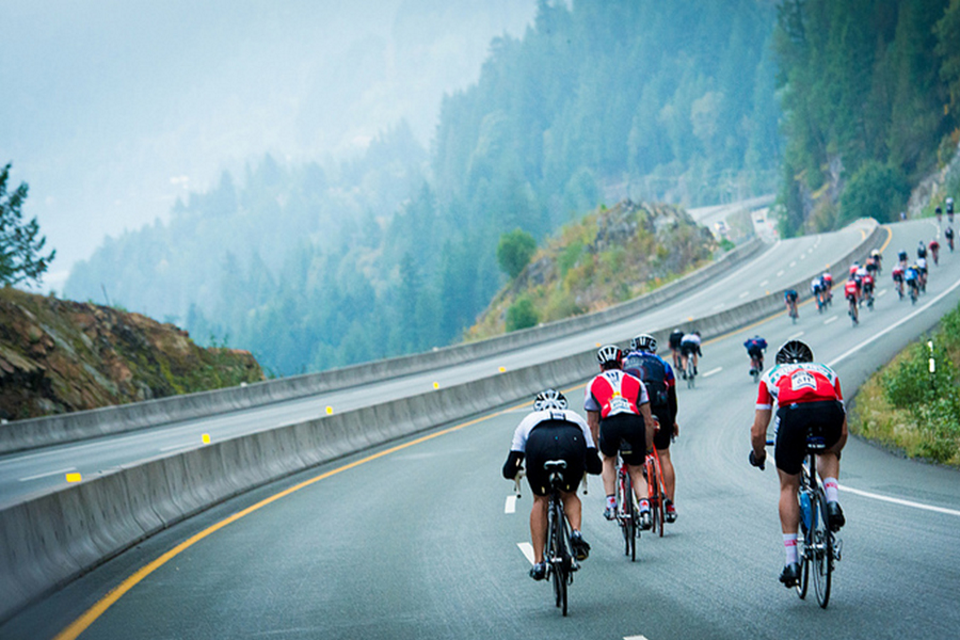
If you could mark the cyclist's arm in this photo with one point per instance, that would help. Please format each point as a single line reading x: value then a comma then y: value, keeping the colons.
x: 593, y: 420
x: 649, y: 422
x: 594, y: 465
x: 512, y: 465
x: 758, y: 432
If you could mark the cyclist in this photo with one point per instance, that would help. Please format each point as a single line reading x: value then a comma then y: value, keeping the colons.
x: 921, y: 265
x: 790, y: 299
x: 911, y: 276
x: 618, y: 410
x: 690, y: 347
x: 755, y: 348
x: 898, y: 279
x: 851, y: 291
x: 922, y: 250
x: 658, y: 377
x: 948, y: 234
x: 816, y: 287
x: 866, y: 286
x: 854, y: 268
x: 552, y: 432
x: 676, y: 337
x: 872, y: 265
x: 827, y: 279
x: 939, y: 213
x: 903, y: 257
x: 935, y: 251
x: 950, y: 210
x: 878, y: 259
x: 808, y: 399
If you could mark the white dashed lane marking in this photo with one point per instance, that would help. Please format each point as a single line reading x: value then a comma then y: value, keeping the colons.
x: 527, y: 549
x: 511, y: 505
x: 49, y: 473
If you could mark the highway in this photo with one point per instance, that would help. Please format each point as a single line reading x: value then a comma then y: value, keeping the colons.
x: 417, y: 539
x: 29, y: 473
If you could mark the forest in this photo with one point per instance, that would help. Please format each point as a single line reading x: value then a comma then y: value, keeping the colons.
x: 328, y: 263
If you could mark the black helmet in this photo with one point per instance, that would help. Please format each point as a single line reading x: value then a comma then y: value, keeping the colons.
x: 609, y: 353
x: 644, y: 342
x: 794, y: 351
x: 549, y: 399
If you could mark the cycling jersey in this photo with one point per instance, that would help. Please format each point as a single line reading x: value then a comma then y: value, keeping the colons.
x: 790, y: 295
x: 755, y: 346
x: 948, y: 234
x: 922, y: 264
x: 921, y: 250
x: 816, y: 285
x: 675, y: 339
x: 851, y: 289
x: 910, y: 274
x: 690, y: 344
x: 552, y: 435
x: 788, y: 384
x: 902, y: 256
x: 614, y: 392
x: 897, y: 273
x: 655, y: 372
x: 867, y: 282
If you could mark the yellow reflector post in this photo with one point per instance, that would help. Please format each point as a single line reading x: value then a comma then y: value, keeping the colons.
x: 205, y: 438
x: 329, y: 410
x: 73, y: 477
x: 502, y: 369
x: 436, y: 385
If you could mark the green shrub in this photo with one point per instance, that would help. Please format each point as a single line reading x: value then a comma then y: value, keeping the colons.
x: 521, y: 314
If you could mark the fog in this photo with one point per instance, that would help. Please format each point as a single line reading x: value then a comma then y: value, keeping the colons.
x: 112, y: 109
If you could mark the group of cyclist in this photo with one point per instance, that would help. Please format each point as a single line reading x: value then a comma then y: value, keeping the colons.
x: 631, y: 409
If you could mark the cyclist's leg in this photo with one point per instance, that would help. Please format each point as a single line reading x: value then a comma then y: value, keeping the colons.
x: 639, y: 482
x: 573, y: 508
x: 789, y: 507
x: 669, y: 473
x: 538, y: 526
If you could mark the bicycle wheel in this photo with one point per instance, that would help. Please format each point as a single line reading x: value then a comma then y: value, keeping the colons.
x: 690, y: 374
x: 822, y: 553
x: 558, y: 558
x: 803, y: 555
x: 656, y: 494
x: 628, y: 516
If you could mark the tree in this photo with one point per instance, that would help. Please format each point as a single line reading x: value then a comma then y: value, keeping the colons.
x: 514, y: 251
x: 20, y: 257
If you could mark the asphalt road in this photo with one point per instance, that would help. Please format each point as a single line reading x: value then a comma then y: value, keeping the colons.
x: 28, y: 473
x: 415, y: 540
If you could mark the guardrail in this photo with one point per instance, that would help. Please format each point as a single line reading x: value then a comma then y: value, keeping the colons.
x: 53, y: 538
x: 39, y: 432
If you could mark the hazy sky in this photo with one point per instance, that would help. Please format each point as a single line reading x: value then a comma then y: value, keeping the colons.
x: 113, y: 108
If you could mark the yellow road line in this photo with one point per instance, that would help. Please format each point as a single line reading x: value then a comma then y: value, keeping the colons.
x: 81, y: 624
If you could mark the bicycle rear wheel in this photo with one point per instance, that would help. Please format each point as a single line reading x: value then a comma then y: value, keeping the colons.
x: 628, y: 519
x: 557, y: 555
x: 821, y: 560
x: 656, y: 495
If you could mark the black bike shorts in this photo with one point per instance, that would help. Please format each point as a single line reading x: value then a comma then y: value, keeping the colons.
x: 629, y: 429
x: 555, y: 442
x: 689, y: 348
x: 795, y: 421
x: 662, y: 438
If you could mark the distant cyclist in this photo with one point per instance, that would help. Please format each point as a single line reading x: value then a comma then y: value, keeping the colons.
x: 816, y: 287
x: 939, y: 213
x: 921, y: 265
x: 903, y: 257
x: 866, y: 287
x: 935, y: 251
x: 922, y: 250
x: 658, y: 377
x: 809, y: 401
x: 790, y: 299
x: 898, y: 279
x: 618, y: 412
x: 851, y: 291
x: 755, y: 347
x: 827, y: 280
x: 676, y: 337
x: 911, y: 277
x: 553, y: 432
x: 690, y: 348
x: 948, y: 234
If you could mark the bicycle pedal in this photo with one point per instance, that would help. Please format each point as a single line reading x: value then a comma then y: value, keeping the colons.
x: 837, y: 549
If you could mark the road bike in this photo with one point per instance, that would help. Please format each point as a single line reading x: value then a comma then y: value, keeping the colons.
x: 691, y: 372
x: 628, y: 515
x: 756, y: 367
x: 794, y: 314
x: 914, y: 293
x: 818, y: 547
x: 868, y: 297
x: 854, y: 312
x: 559, y: 558
x: 656, y: 492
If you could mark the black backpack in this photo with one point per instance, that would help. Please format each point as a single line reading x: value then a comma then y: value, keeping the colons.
x: 653, y: 371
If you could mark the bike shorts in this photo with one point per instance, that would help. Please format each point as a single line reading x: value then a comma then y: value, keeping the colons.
x: 898, y: 277
x: 628, y: 430
x: 852, y: 297
x: 663, y: 437
x: 555, y: 442
x: 688, y: 349
x: 795, y: 421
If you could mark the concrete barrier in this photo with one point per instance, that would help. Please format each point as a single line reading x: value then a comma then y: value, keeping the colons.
x: 39, y: 432
x: 51, y: 539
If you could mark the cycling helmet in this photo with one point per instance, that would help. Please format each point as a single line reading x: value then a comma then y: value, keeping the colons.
x: 644, y: 342
x: 794, y: 351
x: 609, y: 353
x: 549, y: 399
x: 875, y: 252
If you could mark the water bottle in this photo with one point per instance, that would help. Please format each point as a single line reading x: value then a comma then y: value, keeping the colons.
x: 805, y: 511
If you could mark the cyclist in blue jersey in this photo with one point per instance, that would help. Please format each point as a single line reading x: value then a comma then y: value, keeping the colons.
x: 657, y: 375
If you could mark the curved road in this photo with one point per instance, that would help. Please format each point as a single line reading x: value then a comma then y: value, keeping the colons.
x: 416, y: 541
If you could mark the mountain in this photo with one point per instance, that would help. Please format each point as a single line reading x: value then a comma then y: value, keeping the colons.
x: 58, y: 356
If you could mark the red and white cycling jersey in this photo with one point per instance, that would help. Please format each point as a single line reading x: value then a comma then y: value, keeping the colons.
x: 614, y: 392
x: 852, y: 288
x: 796, y: 383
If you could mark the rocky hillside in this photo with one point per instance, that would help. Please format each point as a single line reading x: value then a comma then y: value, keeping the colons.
x: 610, y: 256
x: 58, y: 356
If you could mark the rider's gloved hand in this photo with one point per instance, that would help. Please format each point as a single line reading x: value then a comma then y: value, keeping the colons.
x: 758, y: 461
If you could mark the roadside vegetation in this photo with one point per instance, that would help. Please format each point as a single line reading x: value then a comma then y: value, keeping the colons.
x: 904, y: 406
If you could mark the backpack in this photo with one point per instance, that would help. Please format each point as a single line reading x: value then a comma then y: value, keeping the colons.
x: 653, y: 371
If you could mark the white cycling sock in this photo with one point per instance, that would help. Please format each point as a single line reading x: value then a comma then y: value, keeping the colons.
x: 611, y: 501
x: 644, y: 505
x: 831, y: 488
x: 790, y: 547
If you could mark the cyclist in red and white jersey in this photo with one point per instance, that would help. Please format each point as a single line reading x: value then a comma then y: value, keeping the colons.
x: 809, y: 402
x: 618, y: 411
x: 851, y: 290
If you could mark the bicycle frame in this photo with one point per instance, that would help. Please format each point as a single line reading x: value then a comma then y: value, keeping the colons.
x: 627, y: 511
x: 560, y: 561
x: 656, y: 492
